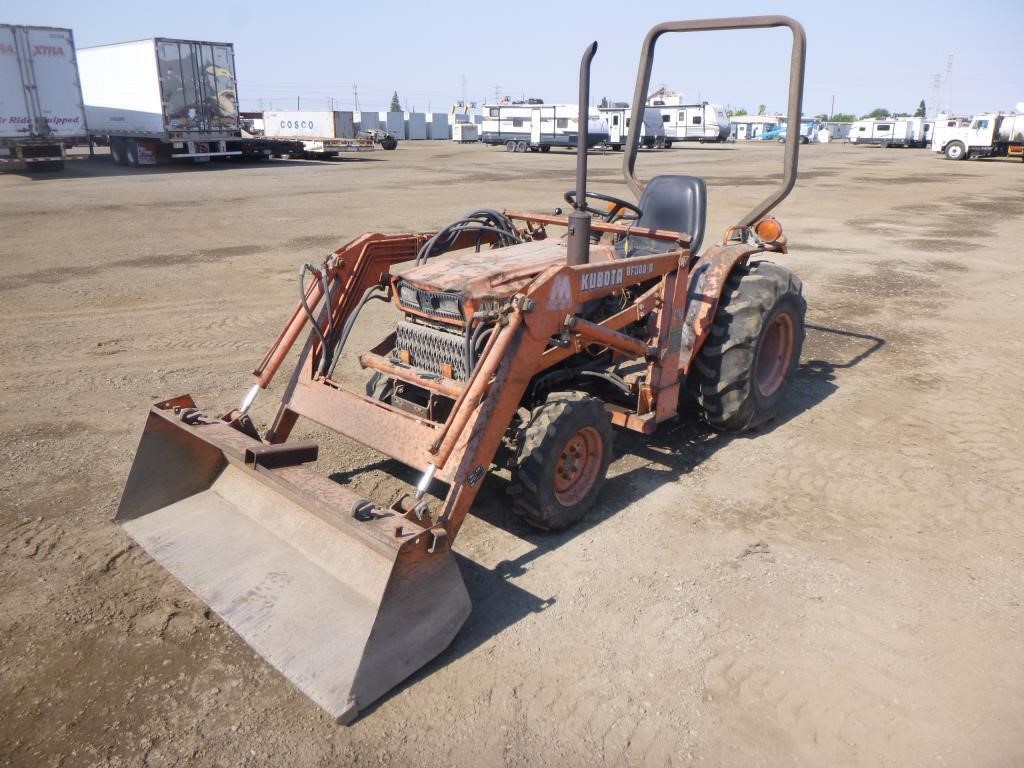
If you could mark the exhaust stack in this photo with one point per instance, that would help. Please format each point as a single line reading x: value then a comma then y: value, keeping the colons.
x: 578, y: 245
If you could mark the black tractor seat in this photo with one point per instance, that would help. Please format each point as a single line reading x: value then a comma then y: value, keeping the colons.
x: 677, y: 203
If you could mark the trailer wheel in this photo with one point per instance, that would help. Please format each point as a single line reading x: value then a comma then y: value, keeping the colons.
x: 955, y: 151
x: 545, y: 148
x: 741, y: 374
x: 562, y: 460
x: 131, y: 153
x: 510, y: 146
x: 522, y: 146
x: 389, y: 143
x: 117, y: 151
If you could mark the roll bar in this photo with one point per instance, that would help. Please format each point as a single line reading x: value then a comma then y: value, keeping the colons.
x: 796, y: 92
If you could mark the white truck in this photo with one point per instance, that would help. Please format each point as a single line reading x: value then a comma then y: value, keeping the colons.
x: 40, y: 97
x: 990, y: 134
x: 537, y: 127
x: 162, y: 99
x: 323, y: 133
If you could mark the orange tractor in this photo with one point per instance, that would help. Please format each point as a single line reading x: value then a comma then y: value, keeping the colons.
x: 518, y: 348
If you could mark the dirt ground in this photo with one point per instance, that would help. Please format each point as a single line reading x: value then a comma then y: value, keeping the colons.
x: 842, y: 588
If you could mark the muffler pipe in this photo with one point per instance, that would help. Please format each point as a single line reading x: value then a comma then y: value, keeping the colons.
x: 578, y: 244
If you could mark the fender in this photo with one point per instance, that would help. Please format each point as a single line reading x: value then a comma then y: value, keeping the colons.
x: 706, y: 283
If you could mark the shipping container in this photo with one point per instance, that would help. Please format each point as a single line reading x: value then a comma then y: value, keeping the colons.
x: 41, y: 106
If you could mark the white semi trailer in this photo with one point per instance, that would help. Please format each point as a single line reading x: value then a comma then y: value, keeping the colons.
x: 40, y: 97
x: 990, y: 134
x: 162, y: 99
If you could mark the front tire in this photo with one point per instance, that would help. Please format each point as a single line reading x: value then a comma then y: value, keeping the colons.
x: 562, y: 460
x: 955, y: 150
x: 741, y: 374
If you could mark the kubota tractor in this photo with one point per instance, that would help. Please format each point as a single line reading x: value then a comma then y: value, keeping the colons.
x: 525, y: 341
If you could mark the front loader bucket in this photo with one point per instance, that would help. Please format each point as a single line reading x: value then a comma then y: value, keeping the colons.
x: 345, y: 607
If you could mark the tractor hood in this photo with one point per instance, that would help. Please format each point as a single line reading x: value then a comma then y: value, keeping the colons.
x: 479, y: 280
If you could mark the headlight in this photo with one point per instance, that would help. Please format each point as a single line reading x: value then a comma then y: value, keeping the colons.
x: 408, y: 295
x: 448, y: 305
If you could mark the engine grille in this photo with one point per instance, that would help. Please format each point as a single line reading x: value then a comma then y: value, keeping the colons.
x: 444, y: 305
x: 430, y: 349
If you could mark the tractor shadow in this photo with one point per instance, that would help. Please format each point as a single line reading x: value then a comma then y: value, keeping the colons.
x: 642, y: 464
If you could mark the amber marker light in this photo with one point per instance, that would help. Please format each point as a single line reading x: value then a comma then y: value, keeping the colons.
x: 768, y: 229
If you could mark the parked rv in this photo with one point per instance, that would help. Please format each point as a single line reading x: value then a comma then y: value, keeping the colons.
x: 40, y: 97
x: 990, y: 134
x: 892, y: 132
x: 703, y: 122
x: 538, y: 127
x: 161, y: 99
x: 618, y: 118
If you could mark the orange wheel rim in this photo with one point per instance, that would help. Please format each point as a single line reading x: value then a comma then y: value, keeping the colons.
x: 577, y: 466
x: 776, y: 352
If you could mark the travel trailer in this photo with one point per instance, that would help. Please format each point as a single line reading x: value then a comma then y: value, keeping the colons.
x: 538, y: 127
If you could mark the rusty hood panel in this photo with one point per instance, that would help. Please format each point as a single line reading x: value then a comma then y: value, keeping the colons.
x: 496, y: 273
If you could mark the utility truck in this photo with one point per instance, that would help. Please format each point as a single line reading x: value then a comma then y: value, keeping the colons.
x: 990, y: 134
x: 40, y: 97
x: 163, y: 99
x: 537, y: 127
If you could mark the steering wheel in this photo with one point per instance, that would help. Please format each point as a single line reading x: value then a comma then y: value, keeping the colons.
x: 607, y: 214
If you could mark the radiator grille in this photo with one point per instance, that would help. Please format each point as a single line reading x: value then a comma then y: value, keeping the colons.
x: 430, y: 349
x: 444, y: 305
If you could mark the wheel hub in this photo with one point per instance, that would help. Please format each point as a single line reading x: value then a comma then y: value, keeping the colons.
x: 577, y: 466
x: 775, y: 355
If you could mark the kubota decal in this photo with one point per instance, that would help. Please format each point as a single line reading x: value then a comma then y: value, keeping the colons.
x: 590, y: 281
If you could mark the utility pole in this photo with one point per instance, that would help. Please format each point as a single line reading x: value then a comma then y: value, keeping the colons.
x: 463, y: 87
x: 298, y: 103
x: 833, y: 112
x: 497, y: 93
x: 935, y: 94
x: 355, y: 95
x: 949, y: 84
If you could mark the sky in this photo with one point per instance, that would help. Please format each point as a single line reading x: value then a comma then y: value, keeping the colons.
x: 861, y: 54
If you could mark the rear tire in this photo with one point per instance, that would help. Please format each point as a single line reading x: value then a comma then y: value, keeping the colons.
x: 510, y: 146
x: 131, y: 153
x: 742, y: 372
x: 389, y: 143
x: 562, y: 460
x: 545, y: 148
x: 522, y: 146
x: 117, y: 151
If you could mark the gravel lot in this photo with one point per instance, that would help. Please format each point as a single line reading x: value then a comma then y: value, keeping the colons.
x: 841, y: 589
